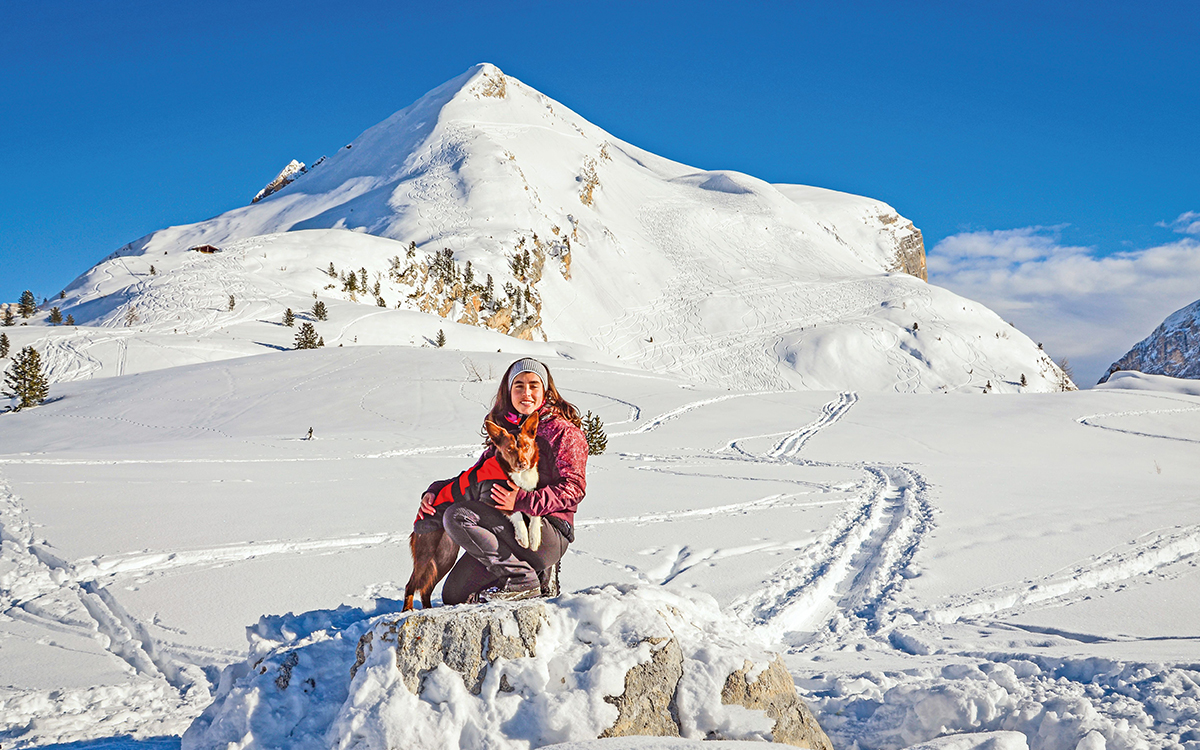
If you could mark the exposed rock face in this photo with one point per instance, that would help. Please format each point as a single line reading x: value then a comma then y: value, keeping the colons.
x: 910, y: 246
x: 289, y: 173
x: 647, y: 707
x: 775, y: 693
x: 1173, y: 349
x: 468, y: 640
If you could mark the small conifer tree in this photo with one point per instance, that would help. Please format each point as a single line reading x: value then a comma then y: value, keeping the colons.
x: 440, y: 341
x: 152, y: 271
x: 55, y: 316
x: 318, y: 310
x: 593, y: 430
x: 1023, y: 381
x: 62, y: 294
x: 351, y: 284
x: 379, y: 301
x: 332, y: 271
x: 25, y: 381
x: 4, y: 345
x: 306, y: 337
x: 321, y: 341
x: 70, y: 319
x: 9, y: 318
x: 289, y: 318
x: 232, y: 302
x: 27, y: 304
x: 131, y: 316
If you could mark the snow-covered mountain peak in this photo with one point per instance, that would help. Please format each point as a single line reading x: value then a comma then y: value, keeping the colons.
x: 489, y: 204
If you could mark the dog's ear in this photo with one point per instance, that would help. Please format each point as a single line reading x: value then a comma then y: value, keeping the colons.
x: 529, y: 427
x: 495, y: 431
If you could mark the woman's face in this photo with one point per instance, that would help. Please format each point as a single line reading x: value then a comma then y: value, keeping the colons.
x: 527, y: 393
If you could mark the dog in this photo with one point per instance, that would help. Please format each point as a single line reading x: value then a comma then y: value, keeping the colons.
x: 516, y: 460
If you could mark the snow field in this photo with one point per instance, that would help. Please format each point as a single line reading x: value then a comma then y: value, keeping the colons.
x: 909, y: 547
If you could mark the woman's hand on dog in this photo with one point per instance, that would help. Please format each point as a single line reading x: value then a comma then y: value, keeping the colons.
x: 427, y: 504
x: 504, y: 496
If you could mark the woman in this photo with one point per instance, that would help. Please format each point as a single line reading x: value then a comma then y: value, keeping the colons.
x: 493, y: 566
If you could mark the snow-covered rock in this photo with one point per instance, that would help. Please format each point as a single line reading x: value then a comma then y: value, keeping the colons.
x: 605, y: 662
x: 488, y: 204
x: 1173, y: 349
x: 285, y: 177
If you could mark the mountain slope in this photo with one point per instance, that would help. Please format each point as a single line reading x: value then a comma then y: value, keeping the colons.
x: 713, y: 275
x: 1173, y: 348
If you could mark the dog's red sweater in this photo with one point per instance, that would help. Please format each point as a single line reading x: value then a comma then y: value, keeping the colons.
x: 462, y: 486
x: 562, y: 463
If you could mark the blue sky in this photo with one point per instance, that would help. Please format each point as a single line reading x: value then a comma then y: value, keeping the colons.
x: 1013, y: 134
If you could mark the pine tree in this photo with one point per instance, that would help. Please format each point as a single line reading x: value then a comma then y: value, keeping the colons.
x: 152, y: 271
x: 4, y: 345
x: 411, y: 251
x: 232, y: 302
x: 318, y: 310
x: 332, y: 271
x: 321, y: 341
x: 440, y: 341
x: 27, y: 304
x: 377, y: 289
x: 289, y: 318
x: 55, y: 316
x: 70, y: 319
x: 1023, y: 381
x: 9, y: 318
x: 25, y: 381
x: 593, y: 430
x: 306, y: 337
x: 351, y: 284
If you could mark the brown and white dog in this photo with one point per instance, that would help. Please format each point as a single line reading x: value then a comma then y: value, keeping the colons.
x: 515, y: 460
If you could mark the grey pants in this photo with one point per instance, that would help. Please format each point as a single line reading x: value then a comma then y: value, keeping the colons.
x: 491, y: 553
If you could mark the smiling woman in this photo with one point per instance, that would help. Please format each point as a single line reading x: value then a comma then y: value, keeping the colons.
x: 495, y: 565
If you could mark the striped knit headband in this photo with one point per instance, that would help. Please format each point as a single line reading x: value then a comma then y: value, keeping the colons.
x: 528, y: 365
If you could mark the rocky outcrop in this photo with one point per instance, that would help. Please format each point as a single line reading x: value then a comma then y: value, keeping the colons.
x: 474, y: 641
x: 910, y: 246
x: 1173, y: 349
x: 467, y: 640
x: 774, y: 692
x: 612, y: 661
x: 289, y: 173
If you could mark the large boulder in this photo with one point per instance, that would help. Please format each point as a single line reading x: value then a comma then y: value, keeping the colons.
x: 612, y: 661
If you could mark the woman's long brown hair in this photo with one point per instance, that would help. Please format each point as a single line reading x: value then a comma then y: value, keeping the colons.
x: 555, y: 403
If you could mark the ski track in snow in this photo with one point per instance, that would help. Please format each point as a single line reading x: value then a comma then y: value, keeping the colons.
x: 1148, y: 556
x: 41, y: 588
x: 850, y: 573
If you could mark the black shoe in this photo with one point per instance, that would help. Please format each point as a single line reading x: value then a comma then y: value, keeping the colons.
x: 511, y: 591
x: 549, y: 581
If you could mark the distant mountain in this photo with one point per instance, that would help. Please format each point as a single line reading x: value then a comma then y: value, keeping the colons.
x: 489, y: 204
x: 1172, y: 349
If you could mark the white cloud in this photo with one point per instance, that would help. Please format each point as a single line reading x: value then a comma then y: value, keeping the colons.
x: 1088, y: 307
x: 1187, y: 223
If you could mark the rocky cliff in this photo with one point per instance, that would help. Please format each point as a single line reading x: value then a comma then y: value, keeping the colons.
x: 1173, y: 349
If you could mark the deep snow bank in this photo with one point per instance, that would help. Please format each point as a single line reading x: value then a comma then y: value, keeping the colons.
x: 582, y: 666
